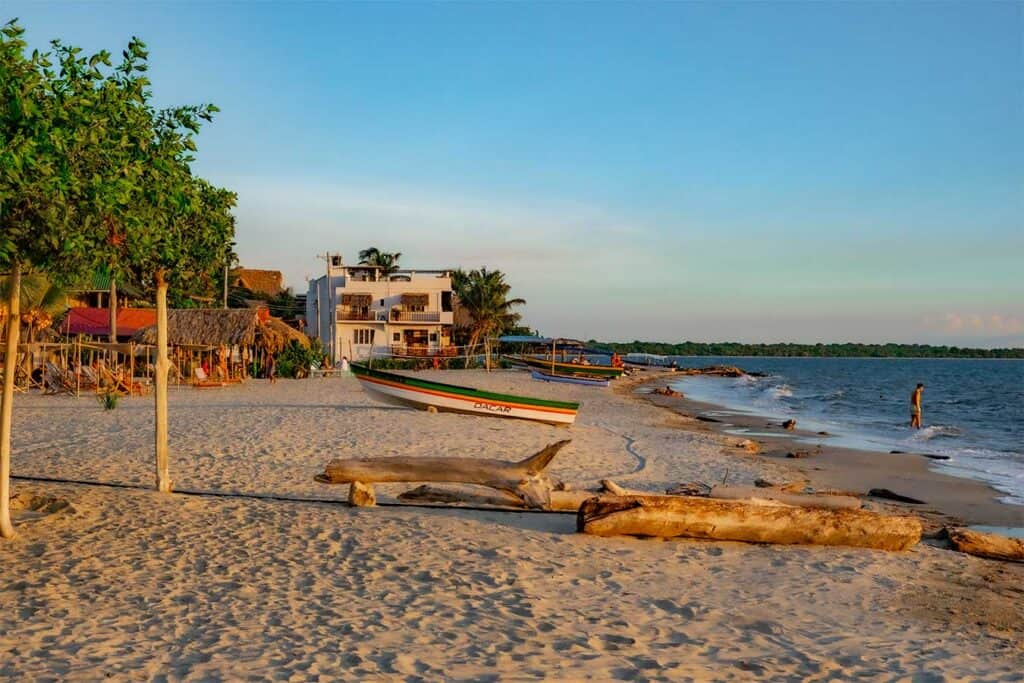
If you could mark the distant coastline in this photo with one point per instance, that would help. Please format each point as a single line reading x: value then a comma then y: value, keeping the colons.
x: 790, y: 350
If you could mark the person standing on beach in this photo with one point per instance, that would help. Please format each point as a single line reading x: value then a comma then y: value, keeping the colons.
x: 272, y: 370
x: 915, y: 407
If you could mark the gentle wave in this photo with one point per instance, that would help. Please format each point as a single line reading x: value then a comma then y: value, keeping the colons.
x: 972, y: 409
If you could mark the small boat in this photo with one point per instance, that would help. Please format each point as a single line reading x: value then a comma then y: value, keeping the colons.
x: 570, y: 379
x: 649, y: 360
x: 426, y: 394
x: 609, y: 371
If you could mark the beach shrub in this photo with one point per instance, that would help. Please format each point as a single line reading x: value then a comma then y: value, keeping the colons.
x: 401, y: 363
x: 108, y: 399
x: 294, y: 360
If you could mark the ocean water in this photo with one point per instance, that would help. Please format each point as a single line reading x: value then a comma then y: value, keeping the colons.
x: 973, y: 410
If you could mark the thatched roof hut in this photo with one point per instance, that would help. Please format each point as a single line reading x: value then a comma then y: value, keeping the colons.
x: 224, y: 326
x: 274, y: 335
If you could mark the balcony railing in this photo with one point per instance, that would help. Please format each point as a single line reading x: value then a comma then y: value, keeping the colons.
x: 423, y: 350
x: 356, y: 315
x: 416, y: 316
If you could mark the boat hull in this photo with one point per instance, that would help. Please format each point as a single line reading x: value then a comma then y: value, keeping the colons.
x: 414, y: 392
x: 570, y: 379
x: 568, y: 368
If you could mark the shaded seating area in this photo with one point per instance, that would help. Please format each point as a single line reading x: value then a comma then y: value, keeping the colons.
x: 225, y: 344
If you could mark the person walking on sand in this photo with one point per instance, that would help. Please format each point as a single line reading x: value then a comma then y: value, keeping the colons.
x: 915, y: 407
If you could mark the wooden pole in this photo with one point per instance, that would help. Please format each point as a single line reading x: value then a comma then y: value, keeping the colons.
x: 10, y: 358
x: 163, y: 477
x: 113, y: 310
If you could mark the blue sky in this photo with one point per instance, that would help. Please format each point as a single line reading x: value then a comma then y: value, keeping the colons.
x: 669, y: 171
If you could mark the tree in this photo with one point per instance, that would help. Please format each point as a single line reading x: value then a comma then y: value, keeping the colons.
x: 55, y: 129
x: 42, y: 300
x: 91, y: 175
x: 484, y: 296
x: 387, y: 261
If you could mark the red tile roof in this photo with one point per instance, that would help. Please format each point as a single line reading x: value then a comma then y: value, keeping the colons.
x: 96, y: 321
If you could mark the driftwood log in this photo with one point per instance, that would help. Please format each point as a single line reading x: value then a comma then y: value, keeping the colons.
x: 561, y: 501
x: 807, y: 500
x: 722, y: 520
x: 525, y: 479
x: 992, y: 546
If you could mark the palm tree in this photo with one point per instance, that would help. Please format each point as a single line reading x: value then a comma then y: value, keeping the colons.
x: 483, y: 294
x: 387, y: 261
x: 41, y: 302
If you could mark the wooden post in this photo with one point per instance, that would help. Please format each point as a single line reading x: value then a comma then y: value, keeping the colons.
x: 163, y: 477
x: 113, y: 311
x: 10, y: 358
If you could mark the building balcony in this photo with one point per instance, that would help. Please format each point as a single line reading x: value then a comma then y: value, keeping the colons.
x: 442, y: 317
x: 355, y: 316
x: 423, y: 350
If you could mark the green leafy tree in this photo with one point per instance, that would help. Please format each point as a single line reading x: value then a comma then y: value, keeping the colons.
x: 387, y: 261
x: 55, y: 128
x: 91, y: 175
x: 483, y: 295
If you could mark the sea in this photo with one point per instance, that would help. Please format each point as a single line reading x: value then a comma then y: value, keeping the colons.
x: 973, y: 410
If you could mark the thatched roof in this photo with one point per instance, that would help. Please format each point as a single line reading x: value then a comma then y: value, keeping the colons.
x: 269, y: 282
x: 224, y: 326
x: 411, y: 299
x: 274, y: 335
x: 358, y: 300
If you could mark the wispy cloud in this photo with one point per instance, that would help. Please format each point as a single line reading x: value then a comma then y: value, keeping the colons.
x: 976, y: 323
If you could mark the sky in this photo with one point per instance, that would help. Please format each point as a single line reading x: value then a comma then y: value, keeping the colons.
x: 756, y: 172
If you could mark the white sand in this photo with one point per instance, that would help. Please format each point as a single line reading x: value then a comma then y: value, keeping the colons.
x: 136, y: 585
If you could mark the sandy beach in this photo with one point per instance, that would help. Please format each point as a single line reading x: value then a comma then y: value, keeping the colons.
x: 270, y: 576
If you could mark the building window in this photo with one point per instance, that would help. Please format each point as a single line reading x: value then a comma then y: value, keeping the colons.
x: 362, y: 336
x: 397, y: 337
x: 433, y: 337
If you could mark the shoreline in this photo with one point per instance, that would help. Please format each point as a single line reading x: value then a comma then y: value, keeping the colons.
x: 250, y: 582
x: 948, y: 498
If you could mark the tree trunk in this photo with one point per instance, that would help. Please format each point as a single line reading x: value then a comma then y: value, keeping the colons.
x: 163, y: 476
x: 526, y: 479
x: 721, y: 520
x: 113, y: 311
x: 471, y: 347
x: 6, y: 402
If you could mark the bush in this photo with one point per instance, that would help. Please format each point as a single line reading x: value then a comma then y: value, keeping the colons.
x: 108, y: 399
x: 294, y: 360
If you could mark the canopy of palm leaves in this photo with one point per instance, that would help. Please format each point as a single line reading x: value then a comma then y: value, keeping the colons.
x: 483, y: 296
x: 386, y: 261
x: 41, y: 301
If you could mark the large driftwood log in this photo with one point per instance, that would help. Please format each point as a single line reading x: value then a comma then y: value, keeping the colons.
x: 526, y: 479
x: 992, y: 546
x: 561, y: 501
x: 807, y: 500
x: 721, y: 520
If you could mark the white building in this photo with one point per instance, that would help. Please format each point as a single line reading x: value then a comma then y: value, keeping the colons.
x: 354, y: 310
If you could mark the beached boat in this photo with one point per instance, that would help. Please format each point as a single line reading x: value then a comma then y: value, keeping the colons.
x: 609, y: 371
x: 570, y: 379
x: 420, y: 393
x: 649, y: 360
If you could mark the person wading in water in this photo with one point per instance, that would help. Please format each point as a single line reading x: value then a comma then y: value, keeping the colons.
x: 915, y: 407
